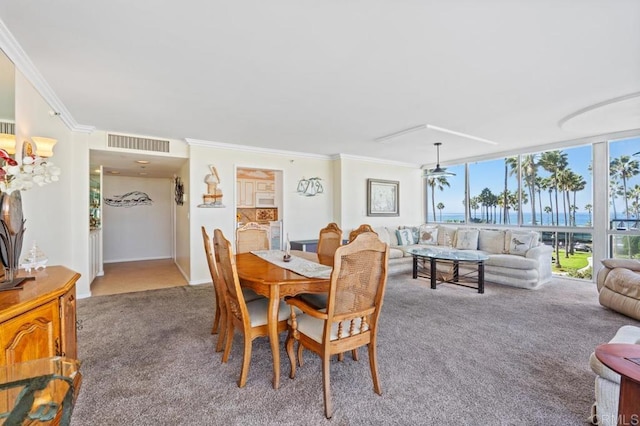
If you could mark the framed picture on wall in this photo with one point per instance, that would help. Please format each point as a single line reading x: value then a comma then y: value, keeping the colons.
x: 383, y: 197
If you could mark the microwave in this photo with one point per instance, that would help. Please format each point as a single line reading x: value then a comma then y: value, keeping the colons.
x: 265, y: 199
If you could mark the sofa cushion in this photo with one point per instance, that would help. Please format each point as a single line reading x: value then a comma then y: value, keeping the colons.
x: 632, y: 264
x: 510, y: 261
x: 395, y: 253
x: 491, y: 241
x: 518, y: 242
x: 446, y: 236
x: 428, y: 234
x: 624, y: 281
x: 383, y: 235
x: 467, y: 239
x: 405, y: 237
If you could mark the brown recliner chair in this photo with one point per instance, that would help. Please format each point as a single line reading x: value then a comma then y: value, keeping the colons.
x: 619, y: 286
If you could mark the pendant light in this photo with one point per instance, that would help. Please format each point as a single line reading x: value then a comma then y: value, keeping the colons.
x: 438, y: 171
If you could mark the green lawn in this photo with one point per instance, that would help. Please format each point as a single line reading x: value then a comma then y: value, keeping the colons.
x: 570, y: 265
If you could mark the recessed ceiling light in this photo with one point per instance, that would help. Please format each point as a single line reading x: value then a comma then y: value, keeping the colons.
x: 142, y: 162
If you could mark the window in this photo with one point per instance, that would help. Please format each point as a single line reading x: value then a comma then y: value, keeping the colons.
x: 446, y: 196
x: 493, y: 191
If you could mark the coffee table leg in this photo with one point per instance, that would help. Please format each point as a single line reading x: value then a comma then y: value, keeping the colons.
x: 415, y: 267
x: 433, y: 273
x: 456, y: 271
x: 480, y: 277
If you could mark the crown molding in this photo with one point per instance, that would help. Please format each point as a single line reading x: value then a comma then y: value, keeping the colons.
x: 378, y: 161
x: 21, y: 60
x: 247, y: 148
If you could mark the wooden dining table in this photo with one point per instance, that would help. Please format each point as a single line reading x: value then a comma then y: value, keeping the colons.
x: 275, y: 282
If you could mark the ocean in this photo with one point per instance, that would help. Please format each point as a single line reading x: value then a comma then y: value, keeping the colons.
x: 582, y: 218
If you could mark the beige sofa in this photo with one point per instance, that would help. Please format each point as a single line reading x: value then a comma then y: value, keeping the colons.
x: 618, y: 284
x: 516, y: 257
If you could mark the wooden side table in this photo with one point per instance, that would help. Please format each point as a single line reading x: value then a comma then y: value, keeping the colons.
x: 624, y: 359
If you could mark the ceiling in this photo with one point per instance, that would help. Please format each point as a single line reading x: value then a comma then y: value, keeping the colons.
x: 329, y: 77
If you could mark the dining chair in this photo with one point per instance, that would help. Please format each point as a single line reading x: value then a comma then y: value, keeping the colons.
x: 220, y: 317
x: 252, y: 236
x: 359, y: 230
x: 356, y: 293
x: 329, y: 240
x: 248, y: 318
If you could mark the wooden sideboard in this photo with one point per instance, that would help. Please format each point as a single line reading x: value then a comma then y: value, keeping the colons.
x: 39, y: 320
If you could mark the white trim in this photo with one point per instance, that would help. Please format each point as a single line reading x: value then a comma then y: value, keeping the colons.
x: 18, y: 56
x: 247, y: 148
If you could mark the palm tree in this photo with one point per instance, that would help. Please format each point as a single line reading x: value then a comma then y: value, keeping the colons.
x: 440, y: 206
x: 624, y: 168
x: 486, y: 198
x: 554, y: 162
x: 589, y: 209
x: 474, y: 205
x: 510, y: 169
x: 548, y: 210
x: 529, y: 174
x: 441, y: 182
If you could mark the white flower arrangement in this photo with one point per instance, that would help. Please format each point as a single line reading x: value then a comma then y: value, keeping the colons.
x: 34, y: 170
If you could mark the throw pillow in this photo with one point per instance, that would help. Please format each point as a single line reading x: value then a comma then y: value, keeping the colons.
x: 467, y: 239
x: 519, y: 242
x: 428, y: 235
x: 491, y: 241
x: 405, y: 237
x: 446, y: 236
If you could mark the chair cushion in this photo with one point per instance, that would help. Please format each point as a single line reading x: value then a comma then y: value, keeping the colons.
x: 314, y: 327
x: 250, y: 295
x: 258, y: 311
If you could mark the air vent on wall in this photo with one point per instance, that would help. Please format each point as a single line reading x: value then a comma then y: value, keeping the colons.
x: 143, y: 144
x: 8, y: 128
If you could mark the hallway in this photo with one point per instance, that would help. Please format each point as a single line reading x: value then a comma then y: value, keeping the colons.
x: 127, y: 277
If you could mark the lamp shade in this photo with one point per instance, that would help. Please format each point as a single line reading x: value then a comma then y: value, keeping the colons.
x: 8, y: 143
x: 44, y: 146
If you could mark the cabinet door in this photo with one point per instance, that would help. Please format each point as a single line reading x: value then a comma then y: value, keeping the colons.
x: 246, y: 193
x: 34, y: 334
x: 68, y: 325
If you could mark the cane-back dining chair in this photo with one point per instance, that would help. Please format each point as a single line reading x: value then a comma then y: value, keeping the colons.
x: 220, y: 316
x: 252, y: 236
x: 329, y: 240
x: 219, y: 320
x: 359, y: 230
x: 351, y: 318
x: 248, y: 318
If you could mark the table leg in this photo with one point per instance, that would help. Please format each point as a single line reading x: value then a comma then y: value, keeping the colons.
x: 480, y: 277
x: 433, y: 272
x: 628, y: 406
x: 272, y: 322
x: 415, y: 267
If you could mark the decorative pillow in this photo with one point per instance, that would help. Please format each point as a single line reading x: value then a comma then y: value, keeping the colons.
x: 405, y: 237
x: 428, y: 235
x: 631, y: 264
x: 446, y: 236
x: 415, y: 230
x: 519, y: 242
x: 467, y: 239
x: 491, y: 241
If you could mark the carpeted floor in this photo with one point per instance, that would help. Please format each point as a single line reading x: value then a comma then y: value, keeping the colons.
x: 448, y: 356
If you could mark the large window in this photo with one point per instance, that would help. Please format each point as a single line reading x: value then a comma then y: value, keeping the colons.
x: 493, y: 191
x: 624, y: 197
x: 446, y: 196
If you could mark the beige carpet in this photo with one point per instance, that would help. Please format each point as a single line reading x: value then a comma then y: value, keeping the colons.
x: 126, y: 277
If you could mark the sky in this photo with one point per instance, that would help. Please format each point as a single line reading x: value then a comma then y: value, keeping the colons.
x: 491, y: 175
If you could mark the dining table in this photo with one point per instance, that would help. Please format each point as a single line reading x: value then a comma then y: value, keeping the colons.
x: 275, y: 282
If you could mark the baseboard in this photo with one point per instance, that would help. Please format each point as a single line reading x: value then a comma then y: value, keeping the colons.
x: 137, y: 259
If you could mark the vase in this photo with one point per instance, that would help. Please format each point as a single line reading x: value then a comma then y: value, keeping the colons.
x: 11, y: 233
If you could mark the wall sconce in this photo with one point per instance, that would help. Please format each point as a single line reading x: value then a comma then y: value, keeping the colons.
x: 8, y: 143
x: 44, y: 146
x: 309, y: 187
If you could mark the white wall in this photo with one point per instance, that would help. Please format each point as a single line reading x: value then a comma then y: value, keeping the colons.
x: 57, y: 214
x: 139, y: 232
x: 353, y: 188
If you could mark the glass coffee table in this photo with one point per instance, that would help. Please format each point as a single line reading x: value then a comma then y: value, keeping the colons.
x: 454, y: 258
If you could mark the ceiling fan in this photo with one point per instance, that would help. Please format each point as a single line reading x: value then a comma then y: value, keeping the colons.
x: 438, y: 171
